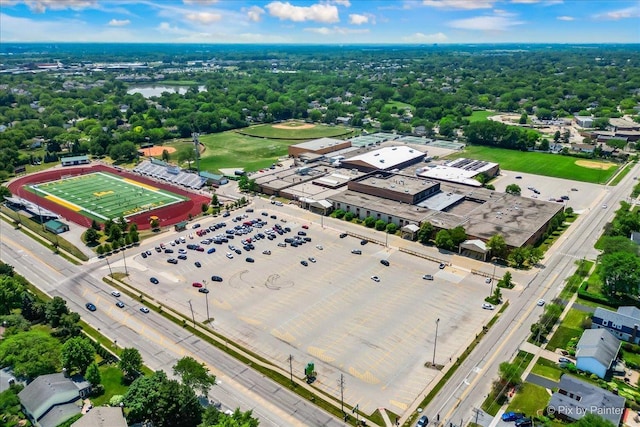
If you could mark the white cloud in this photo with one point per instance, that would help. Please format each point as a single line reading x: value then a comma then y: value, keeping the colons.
x: 119, y: 22
x: 629, y: 12
x: 255, y: 13
x: 203, y: 17
x: 41, y: 6
x: 425, y: 38
x: 318, y: 12
x: 345, y: 3
x: 485, y: 23
x: 357, y: 19
x: 459, y: 4
x: 566, y: 18
x: 525, y: 1
x: 199, y: 1
x: 326, y: 31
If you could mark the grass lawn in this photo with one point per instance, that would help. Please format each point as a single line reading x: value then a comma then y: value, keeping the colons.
x: 399, y: 105
x: 571, y: 327
x: 531, y: 399
x: 492, y: 403
x: 622, y: 174
x: 292, y: 133
x: 553, y: 165
x: 628, y: 356
x: 548, y: 369
x: 479, y: 116
x: 112, y: 382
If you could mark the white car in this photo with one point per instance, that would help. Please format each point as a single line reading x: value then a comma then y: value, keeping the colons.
x: 312, y: 259
x: 488, y: 306
x: 319, y: 247
x: 540, y: 302
x: 604, y: 206
x: 115, y: 294
x: 229, y: 255
x: 375, y: 278
x: 487, y: 280
x: 427, y: 277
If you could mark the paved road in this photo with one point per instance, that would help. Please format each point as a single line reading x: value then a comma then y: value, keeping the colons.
x: 470, y: 385
x: 160, y: 342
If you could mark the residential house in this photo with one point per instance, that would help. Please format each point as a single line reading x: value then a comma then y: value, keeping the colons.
x: 584, y: 121
x: 51, y: 399
x: 623, y: 324
x: 583, y: 148
x: 576, y: 398
x: 635, y: 237
x: 102, y: 416
x: 596, y: 351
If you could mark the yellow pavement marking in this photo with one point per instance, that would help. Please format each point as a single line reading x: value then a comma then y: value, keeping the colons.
x: 250, y: 320
x: 139, y: 184
x: 284, y: 336
x: 64, y: 203
x: 320, y: 354
x: 402, y: 406
x: 366, y: 376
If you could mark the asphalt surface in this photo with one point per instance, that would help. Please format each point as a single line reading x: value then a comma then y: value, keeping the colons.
x: 160, y: 342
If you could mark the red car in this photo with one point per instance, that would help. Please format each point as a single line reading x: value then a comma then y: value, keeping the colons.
x: 196, y: 284
x: 306, y: 227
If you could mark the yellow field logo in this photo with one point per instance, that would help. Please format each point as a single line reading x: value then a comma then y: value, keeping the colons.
x: 103, y: 193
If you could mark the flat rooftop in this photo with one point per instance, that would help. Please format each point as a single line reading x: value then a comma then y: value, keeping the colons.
x: 447, y: 173
x: 399, y: 183
x: 386, y: 157
x: 317, y: 144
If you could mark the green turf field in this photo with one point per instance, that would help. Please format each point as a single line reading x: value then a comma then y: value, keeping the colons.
x: 553, y: 165
x: 479, y: 116
x: 103, y: 196
x: 317, y: 131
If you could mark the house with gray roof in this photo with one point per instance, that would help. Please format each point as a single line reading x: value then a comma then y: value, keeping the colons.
x: 597, y: 351
x: 51, y: 399
x: 576, y: 398
x: 623, y: 324
x: 102, y: 416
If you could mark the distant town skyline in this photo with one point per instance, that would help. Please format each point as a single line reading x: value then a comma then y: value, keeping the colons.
x: 320, y: 21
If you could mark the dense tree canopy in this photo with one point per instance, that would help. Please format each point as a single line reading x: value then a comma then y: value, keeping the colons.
x: 31, y: 353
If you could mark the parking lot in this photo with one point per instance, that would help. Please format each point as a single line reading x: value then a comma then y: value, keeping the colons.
x: 380, y: 334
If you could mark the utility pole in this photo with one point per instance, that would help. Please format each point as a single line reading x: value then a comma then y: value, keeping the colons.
x: 341, y: 384
x: 106, y: 257
x: 477, y: 411
x: 290, y: 359
x: 193, y: 317
x: 206, y: 298
x: 126, y: 272
x: 435, y: 342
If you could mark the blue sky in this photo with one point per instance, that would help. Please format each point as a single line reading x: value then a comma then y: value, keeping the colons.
x: 321, y: 21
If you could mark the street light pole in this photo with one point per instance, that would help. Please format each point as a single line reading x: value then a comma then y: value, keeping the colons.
x: 193, y: 317
x: 126, y: 272
x: 108, y: 265
x: 435, y: 342
x: 206, y: 298
x: 493, y: 278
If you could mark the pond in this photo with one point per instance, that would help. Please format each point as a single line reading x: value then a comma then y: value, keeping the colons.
x: 156, y: 90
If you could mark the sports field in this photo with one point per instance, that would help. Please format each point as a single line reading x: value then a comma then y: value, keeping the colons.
x: 102, y: 196
x: 294, y: 130
x: 554, y: 165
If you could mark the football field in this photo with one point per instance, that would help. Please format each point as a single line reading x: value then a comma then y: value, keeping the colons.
x: 102, y: 196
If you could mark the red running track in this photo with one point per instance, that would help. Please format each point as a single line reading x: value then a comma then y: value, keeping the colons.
x: 168, y: 215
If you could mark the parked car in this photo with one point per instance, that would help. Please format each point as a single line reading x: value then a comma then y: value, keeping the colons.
x: 441, y: 266
x: 302, y: 233
x: 182, y: 257
x: 154, y: 280
x: 229, y: 255
x: 304, y: 262
x: 203, y: 290
x: 267, y: 252
x: 282, y: 244
x: 196, y: 284
x: 384, y: 262
x: 512, y: 416
x: 540, y: 302
x: 144, y: 255
x: 375, y: 278
x: 90, y: 306
x: 524, y: 422
x: 564, y: 360
x: 312, y: 259
x: 363, y: 242
x: 305, y: 226
x: 319, y: 247
x: 249, y: 259
x: 172, y: 261
x: 356, y: 251
x: 197, y: 264
x: 488, y: 306
x: 120, y: 304
x: 216, y: 278
x: 427, y: 277
x: 144, y: 309
x: 423, y: 421
x: 487, y: 280
x: 168, y: 251
x: 211, y: 250
x: 343, y: 235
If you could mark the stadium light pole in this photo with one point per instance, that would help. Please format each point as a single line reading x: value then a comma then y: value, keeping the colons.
x: 206, y: 298
x: 126, y: 272
x: 108, y: 265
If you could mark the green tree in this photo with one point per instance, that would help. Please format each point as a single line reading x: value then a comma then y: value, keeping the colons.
x: 95, y: 225
x: 130, y: 363
x: 54, y: 309
x: 544, y: 145
x: 513, y: 189
x: 93, y: 374
x: 518, y: 257
x: 77, y: 354
x: 612, y: 244
x: 349, y: 216
x: 592, y: 420
x: 380, y: 225
x: 155, y: 224
x: 165, y: 155
x: 214, y: 200
x: 425, y: 232
x: 92, y: 236
x: 194, y: 375
x: 620, y: 272
x: 370, y: 222
x: 506, y: 280
x: 212, y: 417
x: 204, y: 208
x: 497, y: 245
x: 11, y: 290
x: 509, y: 373
x: 523, y: 119
x: 534, y: 255
x: 392, y: 228
x: 458, y: 235
x: 31, y: 354
x: 443, y: 240
x: 162, y: 402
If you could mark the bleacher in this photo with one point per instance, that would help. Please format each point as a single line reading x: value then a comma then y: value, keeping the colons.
x: 165, y: 172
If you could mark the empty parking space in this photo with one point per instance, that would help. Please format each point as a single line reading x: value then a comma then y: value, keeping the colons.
x: 380, y: 334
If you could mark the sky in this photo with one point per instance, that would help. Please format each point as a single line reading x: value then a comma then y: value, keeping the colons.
x: 321, y: 21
